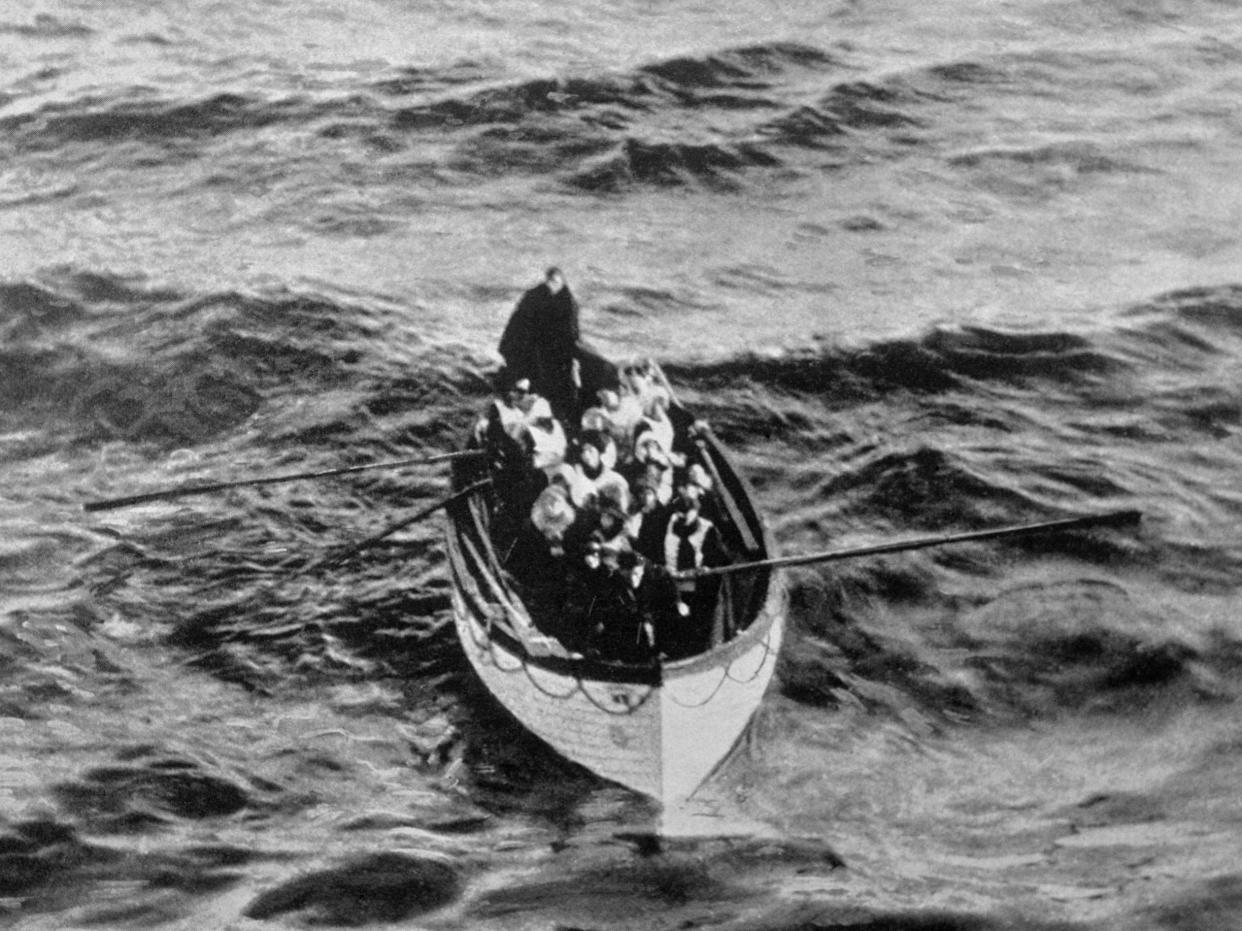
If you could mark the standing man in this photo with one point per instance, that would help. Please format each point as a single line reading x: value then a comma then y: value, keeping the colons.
x: 541, y: 340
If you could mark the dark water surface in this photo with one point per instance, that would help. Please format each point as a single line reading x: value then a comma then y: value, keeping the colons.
x: 926, y: 268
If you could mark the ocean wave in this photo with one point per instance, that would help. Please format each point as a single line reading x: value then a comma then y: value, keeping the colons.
x: 46, y: 26
x: 941, y: 360
x: 141, y: 116
x: 704, y: 120
x: 603, y: 133
x: 751, y: 66
x: 1186, y: 343
x: 672, y: 164
x: 673, y: 81
x: 180, y: 400
x: 411, y: 81
x: 1214, y: 310
x: 707, y: 120
x: 1082, y: 157
x: 379, y: 887
x: 891, y: 638
x: 118, y: 359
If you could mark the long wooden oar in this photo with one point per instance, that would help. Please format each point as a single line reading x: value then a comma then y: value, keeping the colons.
x: 1112, y: 519
x: 352, y: 551
x: 168, y: 493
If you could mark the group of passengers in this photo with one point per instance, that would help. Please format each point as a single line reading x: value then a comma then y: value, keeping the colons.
x: 602, y: 513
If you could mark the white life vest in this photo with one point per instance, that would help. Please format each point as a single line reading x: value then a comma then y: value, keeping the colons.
x: 673, y: 556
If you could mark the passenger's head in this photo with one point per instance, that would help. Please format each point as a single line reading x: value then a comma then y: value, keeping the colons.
x: 647, y: 448
x: 589, y: 457
x: 553, y: 514
x: 631, y: 566
x: 646, y: 497
x: 611, y: 520
x: 608, y: 399
x: 614, y: 495
x: 689, y: 495
x: 636, y: 375
x: 554, y: 279
x: 519, y: 393
x: 591, y: 447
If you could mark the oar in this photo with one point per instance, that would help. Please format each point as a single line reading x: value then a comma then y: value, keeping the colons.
x: 1112, y: 519
x: 357, y: 548
x: 164, y: 495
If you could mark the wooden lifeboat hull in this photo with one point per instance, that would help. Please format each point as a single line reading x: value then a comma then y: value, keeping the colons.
x: 659, y: 729
x: 659, y: 732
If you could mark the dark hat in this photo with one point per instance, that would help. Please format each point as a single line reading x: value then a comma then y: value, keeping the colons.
x: 612, y: 498
x: 649, y: 477
x: 628, y: 559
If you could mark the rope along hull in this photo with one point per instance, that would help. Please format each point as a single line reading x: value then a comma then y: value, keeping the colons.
x: 659, y: 738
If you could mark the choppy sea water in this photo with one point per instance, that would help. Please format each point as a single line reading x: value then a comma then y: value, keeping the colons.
x: 927, y: 268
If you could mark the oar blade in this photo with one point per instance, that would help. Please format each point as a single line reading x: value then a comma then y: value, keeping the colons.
x: 1120, y: 519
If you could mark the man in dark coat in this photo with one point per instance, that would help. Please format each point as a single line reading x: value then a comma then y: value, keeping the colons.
x: 640, y: 603
x: 541, y: 342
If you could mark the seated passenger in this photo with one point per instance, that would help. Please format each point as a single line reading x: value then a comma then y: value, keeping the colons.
x: 511, y: 446
x: 587, y: 589
x: 616, y: 414
x: 548, y: 446
x: 610, y: 535
x: 591, y: 446
x: 638, y: 379
x: 656, y: 423
x: 709, y: 502
x: 642, y: 603
x: 693, y: 542
x: 582, y: 491
x: 553, y: 514
x: 652, y: 464
x: 536, y: 428
x: 660, y: 432
x: 648, y: 520
x: 503, y: 413
x: 520, y: 424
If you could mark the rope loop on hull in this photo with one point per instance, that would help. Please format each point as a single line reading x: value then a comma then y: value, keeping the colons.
x: 486, y: 646
x: 726, y: 675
